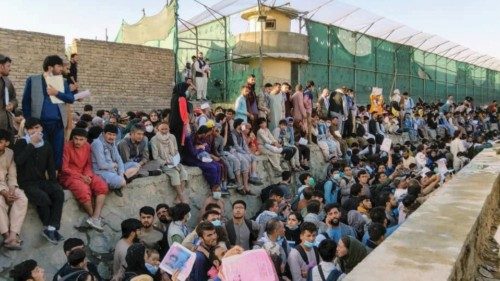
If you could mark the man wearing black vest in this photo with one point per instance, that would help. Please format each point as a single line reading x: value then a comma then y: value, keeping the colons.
x: 8, y: 101
x: 201, y: 77
x: 241, y: 231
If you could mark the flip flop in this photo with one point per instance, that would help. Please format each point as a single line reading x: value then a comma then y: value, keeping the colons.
x: 13, y: 246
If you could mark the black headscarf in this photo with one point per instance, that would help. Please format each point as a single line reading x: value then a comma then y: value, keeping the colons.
x: 135, y: 259
x: 174, y: 119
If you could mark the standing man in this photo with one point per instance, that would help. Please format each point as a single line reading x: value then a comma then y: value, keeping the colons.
x: 73, y: 70
x: 8, y: 101
x: 37, y: 103
x: 77, y: 176
x: 241, y: 231
x: 201, y: 77
x: 35, y: 161
x: 11, y: 197
x: 131, y: 229
x: 208, y: 238
x: 149, y: 236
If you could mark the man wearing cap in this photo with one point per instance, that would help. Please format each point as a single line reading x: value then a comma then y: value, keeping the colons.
x: 8, y: 101
x: 77, y: 176
x: 106, y: 160
x: 134, y: 152
x: 74, y: 249
x: 203, y: 118
x: 164, y: 150
x: 27, y: 270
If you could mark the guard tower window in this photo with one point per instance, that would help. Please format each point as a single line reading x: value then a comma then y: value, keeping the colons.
x: 271, y: 24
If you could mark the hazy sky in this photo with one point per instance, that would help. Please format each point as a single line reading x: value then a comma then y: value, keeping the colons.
x: 474, y: 24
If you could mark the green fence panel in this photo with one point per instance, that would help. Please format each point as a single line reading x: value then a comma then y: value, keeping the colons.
x: 318, y: 41
x: 417, y: 87
x: 364, y: 83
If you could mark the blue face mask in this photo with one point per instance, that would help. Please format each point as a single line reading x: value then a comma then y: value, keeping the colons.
x: 151, y: 268
x: 308, y: 244
x: 280, y: 240
x: 217, y: 223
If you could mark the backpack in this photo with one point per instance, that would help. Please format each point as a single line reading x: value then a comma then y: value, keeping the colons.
x: 303, y: 254
x: 71, y: 275
x: 295, y: 200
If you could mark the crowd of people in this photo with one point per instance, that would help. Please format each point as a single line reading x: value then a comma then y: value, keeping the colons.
x: 311, y: 228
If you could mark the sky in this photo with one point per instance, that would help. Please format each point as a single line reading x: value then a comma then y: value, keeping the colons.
x: 473, y: 24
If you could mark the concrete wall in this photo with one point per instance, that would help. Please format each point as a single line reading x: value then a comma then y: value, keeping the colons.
x: 445, y: 237
x: 141, y: 192
x: 129, y: 77
x: 125, y: 76
x: 27, y: 51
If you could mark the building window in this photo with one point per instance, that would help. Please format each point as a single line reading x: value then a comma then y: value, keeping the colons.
x: 271, y: 24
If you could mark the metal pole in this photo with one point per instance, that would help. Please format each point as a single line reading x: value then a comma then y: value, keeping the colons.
x: 260, y: 45
x: 329, y: 49
x: 225, y: 60
x: 176, y: 41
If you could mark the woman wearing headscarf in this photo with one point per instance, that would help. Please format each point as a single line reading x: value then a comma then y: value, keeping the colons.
x: 179, y: 114
x: 197, y: 144
x: 350, y: 252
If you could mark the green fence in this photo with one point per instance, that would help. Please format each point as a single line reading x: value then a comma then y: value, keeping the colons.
x: 216, y: 43
x: 339, y: 57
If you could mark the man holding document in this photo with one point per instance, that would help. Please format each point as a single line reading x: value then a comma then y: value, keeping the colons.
x: 44, y: 97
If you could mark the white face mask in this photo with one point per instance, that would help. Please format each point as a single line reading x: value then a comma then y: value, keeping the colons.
x: 149, y: 128
x: 217, y: 195
x: 188, y: 216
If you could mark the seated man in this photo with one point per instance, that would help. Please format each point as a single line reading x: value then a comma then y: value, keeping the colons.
x: 35, y: 159
x: 149, y: 236
x: 164, y: 150
x: 77, y: 176
x: 72, y: 248
x: 11, y: 196
x: 107, y: 163
x: 134, y: 151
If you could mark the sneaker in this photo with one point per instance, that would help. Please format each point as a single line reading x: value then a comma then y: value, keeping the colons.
x: 255, y: 181
x: 50, y: 236
x: 95, y: 223
x: 58, y: 236
x: 118, y: 192
x: 231, y: 184
x: 155, y: 173
x: 224, y: 191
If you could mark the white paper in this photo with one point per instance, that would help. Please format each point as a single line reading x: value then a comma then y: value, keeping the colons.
x: 302, y: 141
x: 6, y: 95
x: 82, y: 95
x: 253, y: 265
x: 57, y: 82
x: 386, y: 145
x: 178, y: 258
x: 176, y: 159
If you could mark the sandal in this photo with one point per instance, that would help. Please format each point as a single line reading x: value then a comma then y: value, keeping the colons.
x: 15, y: 246
x: 241, y: 192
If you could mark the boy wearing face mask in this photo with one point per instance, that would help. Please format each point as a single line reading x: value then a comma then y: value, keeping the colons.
x: 152, y: 261
x: 305, y: 256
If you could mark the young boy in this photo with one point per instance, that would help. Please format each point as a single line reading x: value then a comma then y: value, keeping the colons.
x: 11, y: 197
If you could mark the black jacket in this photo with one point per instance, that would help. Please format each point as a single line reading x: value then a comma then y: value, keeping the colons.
x: 32, y: 163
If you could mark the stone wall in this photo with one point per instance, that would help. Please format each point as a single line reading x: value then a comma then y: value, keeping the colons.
x: 141, y: 192
x: 27, y: 51
x: 445, y: 238
x: 125, y: 76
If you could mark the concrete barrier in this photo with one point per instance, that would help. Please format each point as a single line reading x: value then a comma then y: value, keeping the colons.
x: 141, y: 192
x: 444, y: 238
